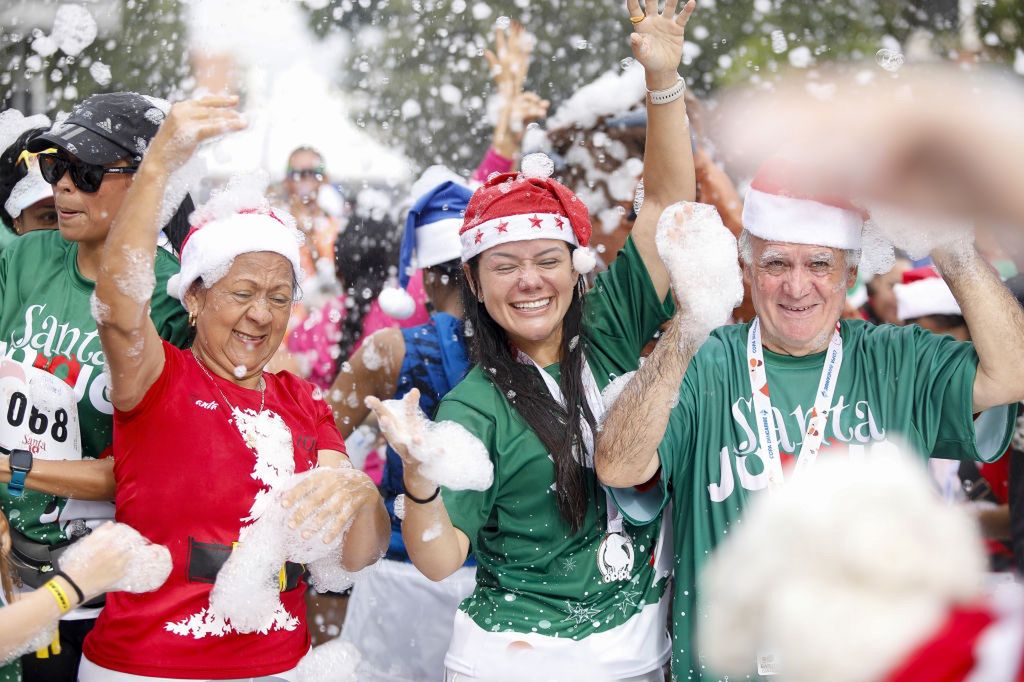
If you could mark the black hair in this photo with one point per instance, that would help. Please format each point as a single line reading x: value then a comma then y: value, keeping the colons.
x: 178, y: 226
x: 449, y: 272
x: 11, y: 172
x: 557, y: 427
x: 363, y: 257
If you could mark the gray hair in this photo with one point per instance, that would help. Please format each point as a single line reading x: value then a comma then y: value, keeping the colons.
x: 851, y: 257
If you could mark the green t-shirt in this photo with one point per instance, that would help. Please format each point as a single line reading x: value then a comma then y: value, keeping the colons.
x: 46, y: 321
x: 894, y: 381
x: 533, y: 575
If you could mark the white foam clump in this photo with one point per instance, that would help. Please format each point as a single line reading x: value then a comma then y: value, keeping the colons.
x: 138, y: 280
x: 917, y: 233
x: 612, y: 93
x: 334, y: 661
x: 100, y: 73
x: 74, y: 29
x: 13, y: 124
x: 396, y: 302
x: 372, y: 358
x: 246, y: 593
x: 148, y: 564
x: 242, y: 192
x: 804, y: 569
x: 239, y: 371
x: 701, y: 256
x: 449, y: 455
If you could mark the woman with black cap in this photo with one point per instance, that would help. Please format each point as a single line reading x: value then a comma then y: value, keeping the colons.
x: 56, y: 393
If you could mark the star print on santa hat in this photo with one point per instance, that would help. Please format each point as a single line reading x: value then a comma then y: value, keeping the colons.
x: 513, y: 207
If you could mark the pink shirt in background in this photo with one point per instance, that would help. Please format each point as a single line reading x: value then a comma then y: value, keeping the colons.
x: 493, y: 162
x: 315, y: 343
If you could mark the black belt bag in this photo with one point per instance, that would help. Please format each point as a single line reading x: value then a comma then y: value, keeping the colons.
x: 35, y: 562
x: 205, y: 560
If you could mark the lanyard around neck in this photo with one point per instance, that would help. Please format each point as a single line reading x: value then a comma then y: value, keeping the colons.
x: 767, y: 428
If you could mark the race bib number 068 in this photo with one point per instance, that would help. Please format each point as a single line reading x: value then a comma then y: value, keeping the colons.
x: 38, y: 413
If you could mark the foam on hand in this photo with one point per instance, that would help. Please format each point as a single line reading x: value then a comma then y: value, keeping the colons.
x: 701, y: 256
x: 448, y: 454
x: 246, y: 593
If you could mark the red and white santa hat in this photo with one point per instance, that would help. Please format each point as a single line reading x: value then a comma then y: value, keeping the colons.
x: 781, y: 206
x: 924, y: 292
x: 212, y: 245
x: 513, y: 207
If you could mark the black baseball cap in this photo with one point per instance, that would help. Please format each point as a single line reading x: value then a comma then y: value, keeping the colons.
x: 105, y: 128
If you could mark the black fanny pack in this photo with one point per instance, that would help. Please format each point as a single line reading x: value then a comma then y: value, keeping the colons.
x: 35, y: 562
x: 205, y: 560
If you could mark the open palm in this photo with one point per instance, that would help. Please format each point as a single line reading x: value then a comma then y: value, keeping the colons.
x: 657, y: 41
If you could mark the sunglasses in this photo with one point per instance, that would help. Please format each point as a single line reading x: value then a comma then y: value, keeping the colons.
x: 85, y: 176
x: 303, y: 173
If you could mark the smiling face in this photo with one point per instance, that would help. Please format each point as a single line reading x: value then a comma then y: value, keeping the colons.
x: 241, y: 319
x: 84, y: 216
x: 799, y: 292
x: 527, y: 287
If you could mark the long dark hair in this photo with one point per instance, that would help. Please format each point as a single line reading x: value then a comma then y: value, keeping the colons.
x: 557, y: 427
x: 364, y: 255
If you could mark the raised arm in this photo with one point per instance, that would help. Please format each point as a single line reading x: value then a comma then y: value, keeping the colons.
x: 996, y: 323
x: 701, y: 256
x: 124, y: 286
x: 356, y: 381
x: 436, y: 547
x: 657, y: 44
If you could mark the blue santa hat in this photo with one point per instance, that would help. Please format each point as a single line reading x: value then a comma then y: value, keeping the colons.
x: 431, y: 237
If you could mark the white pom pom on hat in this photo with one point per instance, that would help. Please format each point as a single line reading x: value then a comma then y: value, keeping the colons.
x: 396, y: 302
x: 583, y: 260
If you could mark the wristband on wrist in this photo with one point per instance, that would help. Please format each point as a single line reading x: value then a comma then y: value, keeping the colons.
x: 72, y: 583
x: 20, y: 462
x: 670, y: 94
x: 417, y: 500
x: 59, y: 595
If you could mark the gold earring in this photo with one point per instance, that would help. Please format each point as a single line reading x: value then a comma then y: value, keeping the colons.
x: 192, y: 318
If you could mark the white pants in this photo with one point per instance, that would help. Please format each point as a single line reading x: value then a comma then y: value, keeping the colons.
x: 401, y: 621
x: 653, y: 676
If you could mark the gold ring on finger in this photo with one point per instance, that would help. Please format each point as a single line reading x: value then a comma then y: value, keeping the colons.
x: 637, y: 19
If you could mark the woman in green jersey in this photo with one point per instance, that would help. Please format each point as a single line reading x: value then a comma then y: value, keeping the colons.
x: 561, y: 578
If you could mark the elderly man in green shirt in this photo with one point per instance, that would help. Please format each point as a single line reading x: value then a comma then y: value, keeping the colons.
x: 798, y: 381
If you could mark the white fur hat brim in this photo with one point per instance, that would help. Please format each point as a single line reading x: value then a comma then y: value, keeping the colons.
x: 210, y: 250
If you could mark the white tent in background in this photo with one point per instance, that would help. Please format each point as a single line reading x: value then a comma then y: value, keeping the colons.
x: 265, y: 50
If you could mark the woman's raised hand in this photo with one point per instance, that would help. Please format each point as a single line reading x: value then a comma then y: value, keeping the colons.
x: 190, y: 123
x: 657, y: 40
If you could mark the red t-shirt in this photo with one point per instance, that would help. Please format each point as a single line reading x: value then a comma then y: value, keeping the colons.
x: 184, y: 476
